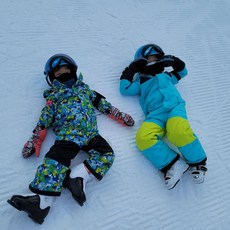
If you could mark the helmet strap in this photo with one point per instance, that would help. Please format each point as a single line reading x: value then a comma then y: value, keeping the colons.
x: 48, y: 80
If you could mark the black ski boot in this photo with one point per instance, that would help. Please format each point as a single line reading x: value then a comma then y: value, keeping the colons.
x: 76, y: 187
x: 30, y: 205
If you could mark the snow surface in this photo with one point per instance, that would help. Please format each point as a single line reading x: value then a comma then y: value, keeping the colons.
x: 102, y: 37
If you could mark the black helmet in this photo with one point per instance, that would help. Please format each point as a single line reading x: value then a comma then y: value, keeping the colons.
x: 56, y: 61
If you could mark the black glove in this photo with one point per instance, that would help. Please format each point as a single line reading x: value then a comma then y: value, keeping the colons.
x: 137, y: 65
x: 170, y: 60
x: 134, y: 67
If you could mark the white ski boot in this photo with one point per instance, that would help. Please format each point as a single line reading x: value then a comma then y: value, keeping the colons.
x: 198, y: 173
x: 173, y: 175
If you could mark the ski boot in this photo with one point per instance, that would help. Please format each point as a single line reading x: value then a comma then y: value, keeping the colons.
x: 76, y: 187
x: 76, y: 182
x: 30, y: 205
x: 198, y: 173
x: 173, y: 175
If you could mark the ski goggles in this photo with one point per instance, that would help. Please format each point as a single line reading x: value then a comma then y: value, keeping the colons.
x: 150, y: 51
x: 57, y: 63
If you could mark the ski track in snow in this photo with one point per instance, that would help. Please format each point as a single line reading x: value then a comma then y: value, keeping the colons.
x: 102, y: 36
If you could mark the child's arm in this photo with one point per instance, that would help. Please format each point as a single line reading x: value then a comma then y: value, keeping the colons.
x: 179, y: 70
x: 129, y: 88
x: 127, y: 85
x: 33, y: 145
x: 100, y: 102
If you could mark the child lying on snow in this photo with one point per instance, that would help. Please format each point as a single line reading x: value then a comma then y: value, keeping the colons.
x: 70, y: 112
x: 165, y: 113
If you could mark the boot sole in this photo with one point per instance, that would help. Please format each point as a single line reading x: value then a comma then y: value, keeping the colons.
x: 37, y: 220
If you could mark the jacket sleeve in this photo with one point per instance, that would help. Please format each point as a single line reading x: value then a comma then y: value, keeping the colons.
x: 99, y: 101
x: 129, y: 88
x: 179, y: 70
x: 47, y: 115
x: 177, y: 76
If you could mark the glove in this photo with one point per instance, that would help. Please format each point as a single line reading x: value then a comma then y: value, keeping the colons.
x: 170, y: 60
x: 33, y: 145
x: 133, y: 68
x: 167, y: 60
x: 122, y: 117
x: 138, y: 64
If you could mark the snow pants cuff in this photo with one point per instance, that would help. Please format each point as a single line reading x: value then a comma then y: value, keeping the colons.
x: 49, y: 178
x: 203, y: 162
x: 167, y: 167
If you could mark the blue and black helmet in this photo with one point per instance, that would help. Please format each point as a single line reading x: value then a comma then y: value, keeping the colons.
x: 147, y: 50
x: 55, y: 62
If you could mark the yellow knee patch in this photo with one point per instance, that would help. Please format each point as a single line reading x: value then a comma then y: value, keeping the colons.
x: 179, y: 131
x: 148, y: 135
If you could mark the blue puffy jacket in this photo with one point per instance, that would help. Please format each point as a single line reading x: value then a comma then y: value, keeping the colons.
x: 156, y: 92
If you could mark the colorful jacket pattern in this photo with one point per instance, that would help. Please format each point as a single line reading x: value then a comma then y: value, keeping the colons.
x: 70, y: 111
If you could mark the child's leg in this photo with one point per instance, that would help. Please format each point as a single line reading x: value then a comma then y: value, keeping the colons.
x: 48, y: 180
x: 182, y: 136
x: 161, y: 156
x: 148, y: 139
x: 101, y: 157
x: 51, y: 173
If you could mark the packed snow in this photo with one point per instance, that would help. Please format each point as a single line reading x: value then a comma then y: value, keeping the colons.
x: 102, y: 36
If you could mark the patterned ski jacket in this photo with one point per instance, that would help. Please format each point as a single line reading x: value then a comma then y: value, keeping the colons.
x: 156, y: 92
x: 70, y: 111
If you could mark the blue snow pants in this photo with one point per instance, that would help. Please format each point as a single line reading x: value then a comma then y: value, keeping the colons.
x: 174, y: 125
